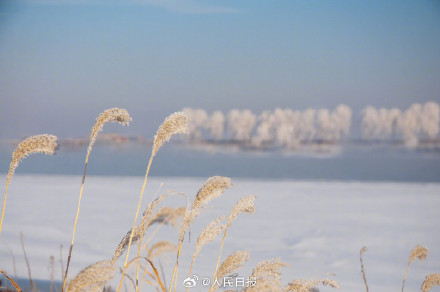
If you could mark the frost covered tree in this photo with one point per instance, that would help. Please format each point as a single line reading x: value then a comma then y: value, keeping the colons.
x: 241, y: 124
x: 341, y: 117
x: 291, y: 129
x: 379, y: 124
x: 430, y: 119
x: 409, y: 125
x: 307, y: 125
x: 369, y: 123
x: 287, y: 128
x: 265, y: 132
x: 417, y: 122
x: 216, y: 125
x: 332, y: 126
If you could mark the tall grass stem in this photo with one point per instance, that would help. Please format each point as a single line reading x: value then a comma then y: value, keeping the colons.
x: 76, y: 221
x: 134, y: 224
x: 4, y: 206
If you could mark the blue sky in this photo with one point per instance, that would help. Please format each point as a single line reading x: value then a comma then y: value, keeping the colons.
x: 63, y: 62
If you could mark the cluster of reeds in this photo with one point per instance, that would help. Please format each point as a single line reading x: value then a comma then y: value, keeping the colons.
x: 147, y: 268
x: 420, y: 253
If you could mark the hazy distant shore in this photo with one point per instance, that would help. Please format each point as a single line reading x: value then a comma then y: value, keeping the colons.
x: 210, y: 145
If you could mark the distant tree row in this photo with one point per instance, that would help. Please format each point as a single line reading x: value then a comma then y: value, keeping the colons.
x: 415, y: 123
x: 292, y: 128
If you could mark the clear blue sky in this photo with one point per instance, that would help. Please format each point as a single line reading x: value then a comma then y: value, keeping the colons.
x: 63, y: 62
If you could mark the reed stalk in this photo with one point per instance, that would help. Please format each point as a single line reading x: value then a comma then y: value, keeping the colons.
x: 13, y: 261
x: 11, y: 280
x: 156, y: 273
x: 363, y: 250
x: 51, y: 266
x: 4, y: 206
x: 118, y: 115
x: 31, y: 282
x: 218, y: 260
x: 61, y: 263
x: 134, y: 225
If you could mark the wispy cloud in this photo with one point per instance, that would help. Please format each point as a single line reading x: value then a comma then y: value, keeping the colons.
x: 178, y: 6
x: 188, y: 6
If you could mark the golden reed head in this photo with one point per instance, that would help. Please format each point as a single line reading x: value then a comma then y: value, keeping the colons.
x: 35, y: 144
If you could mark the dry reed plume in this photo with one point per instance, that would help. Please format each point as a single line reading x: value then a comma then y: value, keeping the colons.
x: 139, y: 231
x: 176, y: 123
x: 147, y: 216
x: 311, y: 285
x: 188, y: 220
x: 93, y: 278
x: 122, y: 246
x: 161, y: 247
x: 419, y: 252
x: 267, y: 275
x: 208, y: 234
x: 163, y: 215
x: 118, y: 115
x: 244, y: 205
x: 168, y: 215
x: 234, y: 262
x: 431, y: 281
x: 213, y: 188
x: 270, y: 269
x: 44, y: 143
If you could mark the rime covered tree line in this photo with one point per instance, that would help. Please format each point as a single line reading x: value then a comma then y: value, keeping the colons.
x: 292, y: 129
x: 415, y: 123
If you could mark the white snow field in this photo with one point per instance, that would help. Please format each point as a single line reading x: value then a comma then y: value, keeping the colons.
x: 315, y: 226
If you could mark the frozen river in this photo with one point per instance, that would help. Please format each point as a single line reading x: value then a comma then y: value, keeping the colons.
x: 315, y: 226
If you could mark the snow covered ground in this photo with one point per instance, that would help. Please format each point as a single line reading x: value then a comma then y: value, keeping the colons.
x: 315, y: 226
